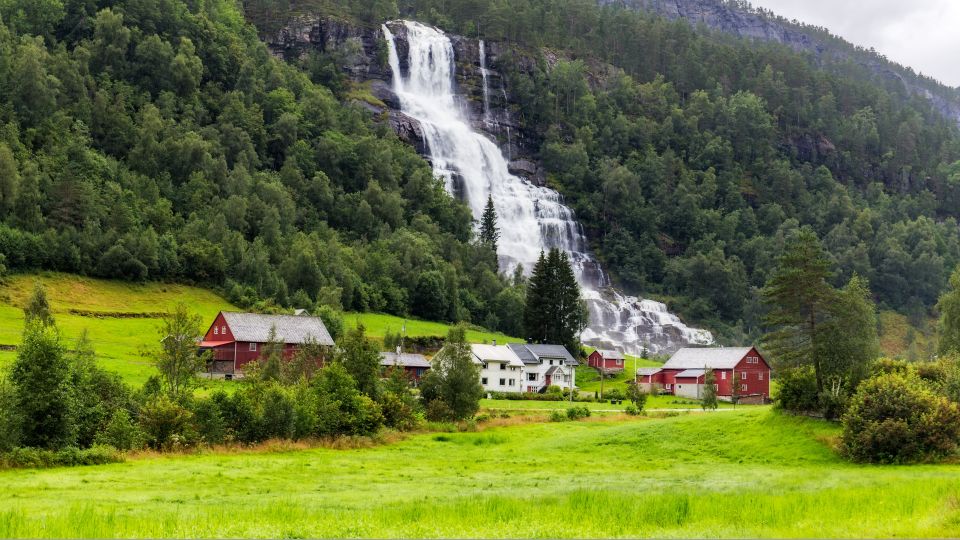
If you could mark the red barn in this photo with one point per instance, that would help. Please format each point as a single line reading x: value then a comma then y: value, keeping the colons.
x: 414, y: 365
x: 606, y: 360
x: 684, y: 373
x: 237, y: 339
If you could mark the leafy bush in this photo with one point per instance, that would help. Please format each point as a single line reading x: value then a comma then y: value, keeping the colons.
x: 208, y: 421
x: 631, y: 409
x: 65, y: 457
x: 797, y: 390
x: 895, y: 418
x: 614, y: 393
x: 558, y: 416
x: 638, y: 396
x: 576, y: 413
x: 166, y: 424
x: 438, y: 411
x: 121, y: 432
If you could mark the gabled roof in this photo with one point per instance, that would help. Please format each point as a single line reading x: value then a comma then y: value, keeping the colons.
x: 707, y: 357
x: 255, y: 327
x: 648, y: 371
x: 552, y: 370
x: 496, y: 353
x: 533, y: 354
x: 609, y: 354
x: 693, y: 373
x: 404, y: 359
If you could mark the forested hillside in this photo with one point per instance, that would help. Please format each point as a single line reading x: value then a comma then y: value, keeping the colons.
x: 149, y: 139
x: 690, y: 156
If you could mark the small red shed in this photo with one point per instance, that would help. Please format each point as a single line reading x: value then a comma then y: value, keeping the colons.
x: 607, y: 360
x: 236, y: 339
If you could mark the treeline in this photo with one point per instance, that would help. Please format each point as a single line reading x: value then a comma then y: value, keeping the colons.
x: 160, y: 140
x: 690, y: 156
x: 58, y: 408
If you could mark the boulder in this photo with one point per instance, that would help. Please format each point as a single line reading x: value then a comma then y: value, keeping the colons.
x: 409, y: 131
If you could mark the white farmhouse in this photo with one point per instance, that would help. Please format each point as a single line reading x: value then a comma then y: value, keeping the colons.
x: 500, y: 369
x: 546, y: 365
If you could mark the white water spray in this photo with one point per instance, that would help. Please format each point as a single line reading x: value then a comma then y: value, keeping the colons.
x: 531, y: 218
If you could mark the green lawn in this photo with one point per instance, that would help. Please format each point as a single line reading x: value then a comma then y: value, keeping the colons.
x: 588, y: 379
x: 378, y: 324
x: 740, y: 474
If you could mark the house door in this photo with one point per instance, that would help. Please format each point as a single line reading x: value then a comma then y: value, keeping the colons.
x: 548, y: 379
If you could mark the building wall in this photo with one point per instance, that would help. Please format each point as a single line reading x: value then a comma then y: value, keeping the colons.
x: 596, y: 361
x: 492, y: 374
x: 755, y: 376
x: 219, y: 331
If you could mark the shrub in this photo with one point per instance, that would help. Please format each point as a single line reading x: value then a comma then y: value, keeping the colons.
x: 558, y: 416
x: 278, y: 416
x: 576, y: 413
x: 166, y: 424
x: 632, y: 409
x: 614, y: 393
x: 798, y: 390
x: 208, y: 421
x: 438, y: 411
x: 121, y: 432
x: 894, y: 418
x: 68, y: 456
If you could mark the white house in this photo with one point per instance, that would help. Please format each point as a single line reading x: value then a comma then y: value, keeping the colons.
x: 500, y: 369
x: 546, y: 365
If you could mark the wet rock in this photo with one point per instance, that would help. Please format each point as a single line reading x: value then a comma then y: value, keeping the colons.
x: 523, y: 167
x: 409, y: 131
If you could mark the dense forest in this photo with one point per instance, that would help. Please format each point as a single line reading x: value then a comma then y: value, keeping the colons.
x: 144, y: 140
x: 151, y: 139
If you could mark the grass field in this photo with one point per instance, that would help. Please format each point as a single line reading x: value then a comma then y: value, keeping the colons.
x: 378, y: 324
x: 653, y: 402
x: 739, y: 474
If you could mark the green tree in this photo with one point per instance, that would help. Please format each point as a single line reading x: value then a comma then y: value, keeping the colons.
x: 949, y: 308
x: 453, y: 379
x: 799, y: 298
x: 178, y: 359
x: 361, y: 357
x: 709, y: 397
x: 554, y: 311
x: 38, y: 307
x: 848, y: 340
x: 40, y: 376
x: 489, y: 232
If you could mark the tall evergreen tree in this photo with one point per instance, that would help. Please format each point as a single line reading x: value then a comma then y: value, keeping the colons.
x: 799, y: 298
x: 554, y: 311
x: 40, y: 375
x: 489, y: 232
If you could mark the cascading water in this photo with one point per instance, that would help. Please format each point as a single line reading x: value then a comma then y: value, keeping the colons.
x: 531, y: 218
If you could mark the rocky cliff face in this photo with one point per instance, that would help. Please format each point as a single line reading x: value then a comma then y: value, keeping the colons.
x: 362, y: 53
x: 729, y: 18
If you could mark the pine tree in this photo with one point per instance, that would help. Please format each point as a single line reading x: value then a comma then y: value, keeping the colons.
x: 799, y: 298
x: 489, y: 232
x: 554, y: 311
x: 709, y: 397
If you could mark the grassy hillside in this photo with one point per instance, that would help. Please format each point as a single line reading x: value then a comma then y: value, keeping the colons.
x: 122, y: 318
x: 737, y: 474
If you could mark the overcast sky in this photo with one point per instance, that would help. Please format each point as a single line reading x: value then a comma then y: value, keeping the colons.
x: 922, y: 34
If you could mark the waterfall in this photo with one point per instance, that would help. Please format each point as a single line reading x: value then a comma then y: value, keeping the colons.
x: 531, y: 218
x: 486, y: 84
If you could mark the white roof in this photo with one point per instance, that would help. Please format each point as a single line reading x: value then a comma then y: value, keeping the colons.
x: 610, y: 354
x: 691, y: 373
x: 495, y: 353
x: 707, y: 357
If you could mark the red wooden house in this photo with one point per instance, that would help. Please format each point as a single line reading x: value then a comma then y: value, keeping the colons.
x: 414, y: 365
x: 236, y: 339
x: 684, y: 373
x: 606, y: 360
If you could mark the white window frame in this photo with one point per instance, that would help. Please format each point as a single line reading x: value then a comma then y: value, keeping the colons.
x: 743, y: 375
x: 743, y: 387
x: 253, y: 347
x: 760, y: 376
x: 216, y: 330
x: 723, y: 375
x: 513, y: 382
x: 223, y: 329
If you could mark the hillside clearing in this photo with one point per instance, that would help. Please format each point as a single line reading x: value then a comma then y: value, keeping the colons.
x: 748, y: 473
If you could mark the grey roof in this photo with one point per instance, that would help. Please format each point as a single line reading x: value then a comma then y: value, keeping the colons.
x: 523, y: 353
x: 552, y: 351
x: 255, y: 327
x: 707, y: 357
x: 610, y: 354
x: 648, y: 371
x: 404, y: 359
x: 691, y: 373
x: 552, y: 370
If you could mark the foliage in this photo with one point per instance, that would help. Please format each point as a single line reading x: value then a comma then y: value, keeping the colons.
x: 177, y: 359
x: 10, y: 422
x: 554, y: 311
x: 637, y: 396
x: 632, y: 409
x: 38, y: 307
x: 40, y: 377
x: 797, y: 390
x: 166, y: 424
x: 577, y: 413
x: 709, y: 398
x: 121, y: 432
x: 489, y: 231
x: 361, y: 358
x: 341, y: 408
x: 896, y: 419
x: 949, y: 308
x: 453, y: 380
x: 65, y: 457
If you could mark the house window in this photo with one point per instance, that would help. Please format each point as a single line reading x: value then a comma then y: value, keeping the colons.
x: 503, y: 382
x: 551, y: 362
x: 668, y: 386
x: 503, y: 367
x: 216, y: 330
x: 743, y: 388
x: 723, y: 375
x: 531, y: 376
x: 483, y: 381
x: 484, y: 365
x: 253, y: 346
x: 513, y: 382
x: 223, y: 329
x: 760, y: 376
x: 743, y: 375
x: 619, y: 362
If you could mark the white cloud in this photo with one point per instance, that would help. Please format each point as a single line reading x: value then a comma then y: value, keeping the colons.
x: 922, y: 34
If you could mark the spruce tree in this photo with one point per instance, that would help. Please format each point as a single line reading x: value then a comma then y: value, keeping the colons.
x: 554, y: 311
x: 799, y: 298
x: 489, y: 232
x: 38, y: 307
x: 40, y: 376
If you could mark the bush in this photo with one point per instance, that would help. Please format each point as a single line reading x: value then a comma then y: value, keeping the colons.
x: 638, y: 396
x: 631, y: 409
x: 798, y: 390
x: 576, y: 413
x: 208, y: 421
x: 895, y: 418
x: 65, y: 457
x: 166, y: 424
x: 121, y: 432
x: 438, y: 411
x: 614, y: 393
x: 558, y: 416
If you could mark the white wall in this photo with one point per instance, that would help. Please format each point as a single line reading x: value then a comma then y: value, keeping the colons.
x: 492, y: 373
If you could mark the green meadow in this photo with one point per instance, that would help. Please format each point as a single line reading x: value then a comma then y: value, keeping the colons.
x: 736, y: 474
